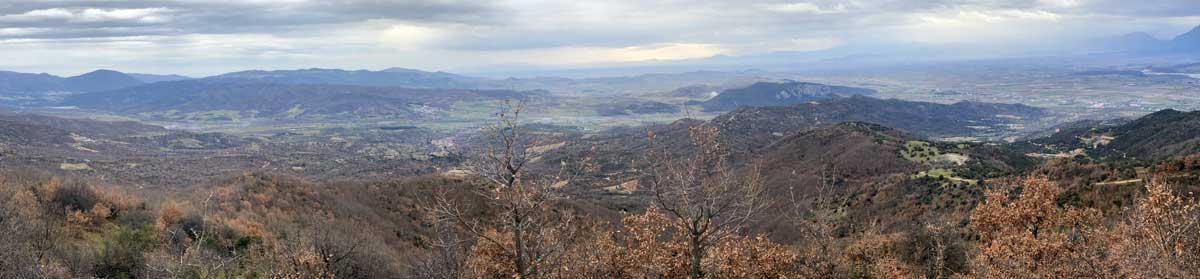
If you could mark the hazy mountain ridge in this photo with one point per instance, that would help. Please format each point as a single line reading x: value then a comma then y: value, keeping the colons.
x: 1145, y: 44
x: 1189, y: 41
x: 152, y: 78
x: 247, y: 98
x: 392, y: 77
x: 99, y: 80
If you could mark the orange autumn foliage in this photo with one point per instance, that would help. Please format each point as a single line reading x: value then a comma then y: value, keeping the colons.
x: 1033, y: 237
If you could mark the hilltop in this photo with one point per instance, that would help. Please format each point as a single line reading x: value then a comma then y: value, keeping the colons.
x: 920, y: 118
x: 1158, y: 135
x: 99, y: 80
x: 779, y: 94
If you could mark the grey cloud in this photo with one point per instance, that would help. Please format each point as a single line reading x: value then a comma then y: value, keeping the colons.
x: 76, y: 18
x: 475, y: 29
x: 494, y: 25
x: 1148, y: 8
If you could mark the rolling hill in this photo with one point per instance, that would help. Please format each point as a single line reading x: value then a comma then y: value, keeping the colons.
x: 636, y: 108
x: 132, y: 153
x: 920, y: 118
x: 100, y: 80
x: 1158, y: 135
x: 748, y: 130
x: 231, y: 99
x: 779, y: 94
x: 858, y: 150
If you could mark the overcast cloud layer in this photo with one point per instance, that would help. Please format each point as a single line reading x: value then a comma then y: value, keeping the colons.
x: 202, y: 37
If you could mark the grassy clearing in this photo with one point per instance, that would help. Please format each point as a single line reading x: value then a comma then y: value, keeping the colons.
x: 919, y: 151
x: 925, y: 153
x: 945, y: 175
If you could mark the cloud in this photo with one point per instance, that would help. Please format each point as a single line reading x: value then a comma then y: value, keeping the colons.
x: 210, y: 36
x: 214, y: 16
x: 803, y: 8
x: 1155, y: 8
x: 145, y: 15
x: 585, y: 55
x: 38, y: 15
x: 984, y: 26
x: 88, y: 15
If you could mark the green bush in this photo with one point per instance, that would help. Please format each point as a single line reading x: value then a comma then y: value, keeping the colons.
x: 75, y: 195
x: 121, y: 252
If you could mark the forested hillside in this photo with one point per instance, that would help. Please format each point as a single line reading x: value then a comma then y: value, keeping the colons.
x: 852, y: 200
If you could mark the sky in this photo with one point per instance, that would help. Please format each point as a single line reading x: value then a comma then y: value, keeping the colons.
x: 206, y: 37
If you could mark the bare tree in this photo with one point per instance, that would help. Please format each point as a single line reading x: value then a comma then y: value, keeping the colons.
x: 708, y: 199
x: 817, y: 222
x: 29, y: 233
x: 447, y: 257
x: 526, y: 233
x: 184, y: 245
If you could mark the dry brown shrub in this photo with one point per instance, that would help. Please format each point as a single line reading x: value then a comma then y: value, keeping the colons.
x: 78, y: 219
x: 650, y: 251
x: 1033, y: 237
x: 1160, y: 238
x: 752, y: 257
x: 25, y: 203
x: 115, y: 198
x: 100, y: 212
x: 50, y: 187
x: 169, y: 213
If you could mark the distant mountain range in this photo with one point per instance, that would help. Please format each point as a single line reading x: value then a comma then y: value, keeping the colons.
x: 289, y: 94
x: 393, y: 77
x: 14, y: 83
x: 1135, y: 44
x: 779, y: 94
x: 1188, y: 42
x: 152, y: 78
x: 99, y: 80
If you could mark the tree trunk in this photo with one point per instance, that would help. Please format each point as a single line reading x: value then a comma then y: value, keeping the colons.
x: 697, y: 255
x: 519, y: 243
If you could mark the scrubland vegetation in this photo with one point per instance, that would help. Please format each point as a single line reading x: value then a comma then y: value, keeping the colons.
x: 652, y: 139
x: 702, y: 217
